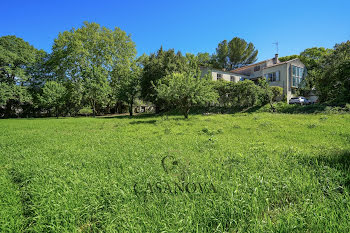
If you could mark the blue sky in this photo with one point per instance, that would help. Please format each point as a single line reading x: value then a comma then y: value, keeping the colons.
x: 188, y: 26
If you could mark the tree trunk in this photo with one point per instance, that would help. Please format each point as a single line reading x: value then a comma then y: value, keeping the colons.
x: 157, y: 109
x: 93, y: 108
x: 131, y: 110
x: 186, y: 112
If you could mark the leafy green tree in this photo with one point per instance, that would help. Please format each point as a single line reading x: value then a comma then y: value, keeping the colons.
x: 53, y: 96
x: 89, y: 55
x: 74, y: 96
x: 288, y: 58
x: 5, y: 93
x: 277, y: 93
x: 127, y: 85
x: 16, y: 56
x: 235, y: 53
x: 204, y: 59
x: 333, y: 79
x: 185, y: 91
x: 161, y: 64
x: 312, y: 58
x: 224, y: 90
x: 246, y: 94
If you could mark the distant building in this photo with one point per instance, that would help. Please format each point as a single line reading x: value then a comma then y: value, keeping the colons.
x: 287, y: 75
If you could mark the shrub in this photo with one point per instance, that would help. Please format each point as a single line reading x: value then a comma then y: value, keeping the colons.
x: 87, y: 111
x: 277, y: 93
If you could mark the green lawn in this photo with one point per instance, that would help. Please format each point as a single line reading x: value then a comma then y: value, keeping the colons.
x: 227, y: 173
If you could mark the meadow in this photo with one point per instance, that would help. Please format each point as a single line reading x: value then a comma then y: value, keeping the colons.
x: 258, y: 172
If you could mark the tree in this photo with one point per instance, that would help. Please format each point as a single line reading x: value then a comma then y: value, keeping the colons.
x: 235, y: 53
x: 333, y: 79
x: 16, y: 56
x: 204, y: 59
x: 127, y: 85
x: 288, y: 58
x: 185, y: 91
x: 246, y: 94
x: 277, y: 93
x: 224, y: 90
x: 89, y: 55
x: 161, y: 64
x: 53, y: 96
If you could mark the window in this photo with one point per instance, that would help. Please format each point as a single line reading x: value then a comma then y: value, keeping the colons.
x: 232, y: 78
x: 273, y: 77
x: 297, y: 75
x: 218, y: 76
x: 256, y: 68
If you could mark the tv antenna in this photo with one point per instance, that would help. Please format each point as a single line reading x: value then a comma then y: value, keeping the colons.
x: 276, y: 43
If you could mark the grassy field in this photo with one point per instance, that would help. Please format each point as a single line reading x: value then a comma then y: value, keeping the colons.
x: 256, y: 172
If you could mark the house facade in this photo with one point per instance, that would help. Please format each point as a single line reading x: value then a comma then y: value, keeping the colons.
x: 223, y: 75
x: 287, y: 75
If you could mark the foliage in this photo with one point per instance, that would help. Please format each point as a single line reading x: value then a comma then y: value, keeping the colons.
x: 204, y: 59
x: 246, y: 94
x: 53, y: 96
x: 89, y: 55
x: 288, y: 58
x: 161, y: 64
x: 333, y: 80
x: 85, y: 111
x: 225, y: 91
x: 185, y: 91
x: 16, y: 57
x: 277, y: 93
x: 235, y: 53
x: 127, y: 84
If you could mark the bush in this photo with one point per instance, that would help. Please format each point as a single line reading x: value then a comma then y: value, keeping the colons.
x: 87, y: 111
x: 277, y: 93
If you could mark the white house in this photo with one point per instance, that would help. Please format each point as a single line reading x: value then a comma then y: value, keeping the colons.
x: 287, y: 75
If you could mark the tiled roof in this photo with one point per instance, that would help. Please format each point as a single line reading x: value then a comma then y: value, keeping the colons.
x: 281, y: 63
x: 248, y: 66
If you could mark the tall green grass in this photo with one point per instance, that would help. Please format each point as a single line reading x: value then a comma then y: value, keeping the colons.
x: 271, y: 172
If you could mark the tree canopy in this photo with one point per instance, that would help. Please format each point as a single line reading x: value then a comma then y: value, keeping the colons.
x: 89, y: 55
x: 234, y: 54
x: 184, y: 90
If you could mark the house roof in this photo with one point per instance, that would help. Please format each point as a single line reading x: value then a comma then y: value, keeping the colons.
x: 248, y: 66
x: 281, y: 63
x: 213, y: 69
x: 252, y: 65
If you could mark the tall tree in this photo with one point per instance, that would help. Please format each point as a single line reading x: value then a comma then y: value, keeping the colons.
x: 235, y: 53
x: 160, y: 65
x: 185, y: 91
x: 16, y: 56
x: 204, y: 59
x: 127, y: 84
x: 333, y: 80
x: 88, y: 55
x: 53, y: 96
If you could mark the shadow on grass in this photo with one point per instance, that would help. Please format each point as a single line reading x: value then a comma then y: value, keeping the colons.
x: 313, y: 108
x: 22, y: 183
x: 139, y: 116
x: 143, y: 122
x: 339, y: 160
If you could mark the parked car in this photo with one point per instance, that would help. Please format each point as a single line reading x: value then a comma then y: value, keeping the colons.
x: 300, y: 100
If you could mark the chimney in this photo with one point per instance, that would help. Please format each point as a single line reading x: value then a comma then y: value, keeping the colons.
x: 275, y: 60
